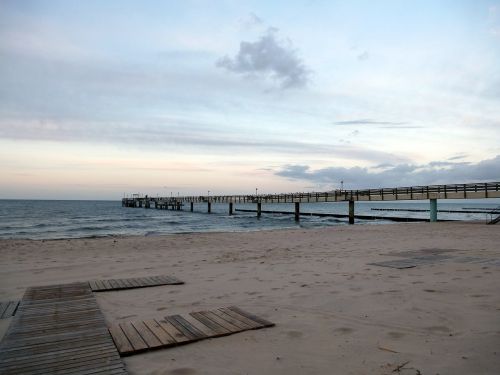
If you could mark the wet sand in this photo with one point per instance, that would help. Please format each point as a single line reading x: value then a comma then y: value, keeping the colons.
x: 334, y: 313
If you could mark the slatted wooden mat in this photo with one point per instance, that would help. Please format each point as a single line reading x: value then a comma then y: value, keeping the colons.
x: 8, y: 308
x: 59, y: 330
x: 138, y: 282
x: 135, y: 337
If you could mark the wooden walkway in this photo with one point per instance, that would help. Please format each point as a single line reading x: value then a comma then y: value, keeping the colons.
x: 59, y: 329
x: 139, y: 282
x: 8, y: 309
x: 456, y: 191
x: 135, y: 337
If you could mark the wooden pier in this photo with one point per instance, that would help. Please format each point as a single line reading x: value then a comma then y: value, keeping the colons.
x: 431, y: 193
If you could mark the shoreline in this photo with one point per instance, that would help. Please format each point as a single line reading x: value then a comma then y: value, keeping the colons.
x: 249, y: 230
x: 334, y: 312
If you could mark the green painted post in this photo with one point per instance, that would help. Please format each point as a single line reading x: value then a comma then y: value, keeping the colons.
x: 351, y: 212
x: 434, y: 213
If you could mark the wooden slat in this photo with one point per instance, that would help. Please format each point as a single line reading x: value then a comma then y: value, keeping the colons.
x: 177, y: 335
x: 140, y: 282
x: 3, y: 307
x: 200, y: 326
x: 10, y: 310
x: 220, y: 330
x: 114, y: 284
x: 183, y: 325
x: 230, y: 319
x: 120, y: 340
x: 148, y: 336
x: 107, y: 285
x: 127, y: 284
x: 244, y: 319
x: 133, y: 336
x: 93, y: 284
x: 159, y: 332
x: 250, y: 316
x: 135, y: 282
x: 148, y: 281
x: 224, y: 323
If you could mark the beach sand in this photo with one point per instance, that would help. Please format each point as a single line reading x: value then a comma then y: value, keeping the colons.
x: 334, y: 313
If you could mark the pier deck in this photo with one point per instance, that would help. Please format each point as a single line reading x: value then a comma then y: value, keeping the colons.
x: 429, y: 192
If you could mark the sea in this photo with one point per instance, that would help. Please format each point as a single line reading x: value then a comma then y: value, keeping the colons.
x: 62, y: 219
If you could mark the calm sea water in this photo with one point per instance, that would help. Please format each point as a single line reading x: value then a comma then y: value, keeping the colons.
x: 40, y: 219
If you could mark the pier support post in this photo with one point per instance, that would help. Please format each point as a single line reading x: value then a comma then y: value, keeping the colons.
x: 230, y: 208
x: 433, y: 210
x: 192, y: 204
x: 259, y: 209
x: 147, y: 204
x: 297, y: 211
x: 351, y: 212
x: 209, y: 207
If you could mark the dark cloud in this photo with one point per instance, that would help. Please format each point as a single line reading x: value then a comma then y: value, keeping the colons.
x: 398, y: 175
x: 268, y: 57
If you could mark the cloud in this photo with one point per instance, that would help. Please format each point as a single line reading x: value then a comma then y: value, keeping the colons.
x: 397, y: 175
x: 494, y: 20
x: 268, y: 57
x: 458, y: 157
x: 250, y: 20
x: 364, y: 56
x: 183, y: 135
x: 365, y: 121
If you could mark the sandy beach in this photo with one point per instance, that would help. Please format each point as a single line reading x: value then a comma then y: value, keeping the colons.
x: 334, y: 312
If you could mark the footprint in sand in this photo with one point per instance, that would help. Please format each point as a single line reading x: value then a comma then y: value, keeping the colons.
x: 294, y: 334
x: 161, y: 308
x: 395, y: 335
x: 343, y: 330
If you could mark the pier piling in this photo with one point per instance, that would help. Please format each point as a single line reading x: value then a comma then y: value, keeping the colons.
x: 230, y: 208
x: 192, y: 206
x: 209, y: 207
x: 259, y: 209
x: 297, y: 211
x: 433, y: 210
x: 351, y: 212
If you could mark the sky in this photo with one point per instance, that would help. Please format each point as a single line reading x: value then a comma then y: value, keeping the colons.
x: 104, y: 99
